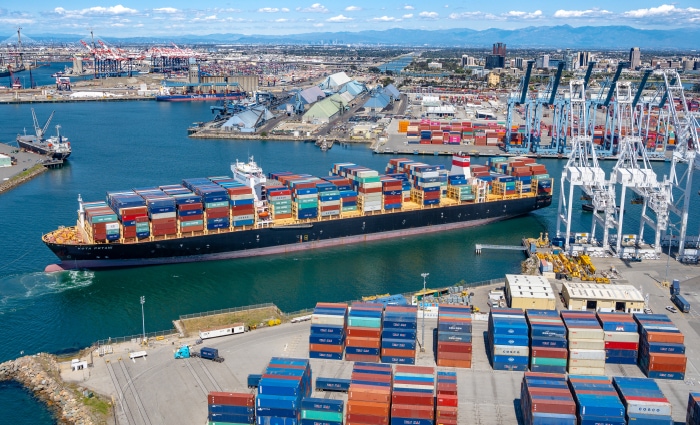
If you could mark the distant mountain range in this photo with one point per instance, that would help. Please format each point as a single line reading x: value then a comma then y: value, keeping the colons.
x: 564, y: 36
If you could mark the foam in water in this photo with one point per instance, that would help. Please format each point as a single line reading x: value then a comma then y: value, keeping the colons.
x: 32, y: 285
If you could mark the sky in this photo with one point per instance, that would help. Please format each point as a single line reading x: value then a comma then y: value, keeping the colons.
x: 127, y: 18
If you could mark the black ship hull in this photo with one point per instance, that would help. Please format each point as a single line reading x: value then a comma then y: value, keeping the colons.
x: 42, y: 150
x: 275, y: 240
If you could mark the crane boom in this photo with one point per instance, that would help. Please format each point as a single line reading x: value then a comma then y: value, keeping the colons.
x: 526, y: 82
x: 587, y: 77
x: 613, y: 83
x: 555, y: 83
x: 640, y: 89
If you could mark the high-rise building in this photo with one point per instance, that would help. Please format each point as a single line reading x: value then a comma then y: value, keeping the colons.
x: 542, y: 62
x: 495, y: 61
x: 499, y: 49
x: 583, y: 59
x: 635, y: 58
x: 518, y: 63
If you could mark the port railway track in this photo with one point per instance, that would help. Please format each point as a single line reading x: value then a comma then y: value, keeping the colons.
x: 129, y: 401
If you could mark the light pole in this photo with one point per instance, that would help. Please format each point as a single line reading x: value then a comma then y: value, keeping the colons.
x: 143, y: 318
x: 422, y: 344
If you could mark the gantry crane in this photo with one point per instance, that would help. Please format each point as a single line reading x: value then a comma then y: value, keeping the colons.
x: 544, y: 100
x: 602, y: 101
x: 633, y: 170
x: 514, y: 100
x: 582, y: 168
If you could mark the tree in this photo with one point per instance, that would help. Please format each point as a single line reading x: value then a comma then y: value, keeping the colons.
x: 374, y: 70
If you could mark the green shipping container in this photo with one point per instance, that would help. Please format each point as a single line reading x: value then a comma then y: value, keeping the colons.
x: 191, y: 223
x: 103, y: 218
x: 546, y: 361
x: 322, y: 416
x: 367, y: 322
x: 216, y: 204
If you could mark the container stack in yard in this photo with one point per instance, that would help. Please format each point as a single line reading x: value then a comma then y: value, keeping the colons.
x: 327, y: 337
x: 446, y: 400
x: 662, y: 349
x: 364, y: 332
x: 412, y: 396
x: 643, y: 400
x: 284, y: 383
x: 508, y: 339
x: 316, y: 411
x: 369, y: 397
x: 586, y: 343
x: 597, y: 402
x: 621, y: 338
x: 545, y: 398
x: 231, y: 408
x: 399, y: 334
x: 692, y: 416
x: 454, y: 336
x: 548, y: 344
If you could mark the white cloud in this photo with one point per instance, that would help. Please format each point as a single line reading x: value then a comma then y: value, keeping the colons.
x: 580, y: 13
x: 385, y: 19
x: 166, y: 10
x: 117, y: 25
x: 664, y: 9
x: 99, y: 10
x: 339, y: 18
x: 17, y: 21
x: 409, y: 7
x: 523, y: 15
x: 428, y: 15
x: 315, y: 8
x: 408, y: 16
x: 318, y: 25
x: 280, y: 20
x: 284, y: 9
x: 353, y: 8
x: 268, y: 10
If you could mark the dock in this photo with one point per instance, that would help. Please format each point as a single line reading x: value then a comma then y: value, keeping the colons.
x: 480, y: 246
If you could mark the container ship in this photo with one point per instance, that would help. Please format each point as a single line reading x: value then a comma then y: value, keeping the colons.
x: 166, y: 96
x: 252, y: 214
x: 56, y: 147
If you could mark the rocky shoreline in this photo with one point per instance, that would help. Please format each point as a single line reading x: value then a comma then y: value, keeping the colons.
x: 40, y: 374
x: 16, y: 181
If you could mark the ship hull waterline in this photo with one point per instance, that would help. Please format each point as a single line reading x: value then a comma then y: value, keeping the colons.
x: 280, y: 240
x: 32, y: 147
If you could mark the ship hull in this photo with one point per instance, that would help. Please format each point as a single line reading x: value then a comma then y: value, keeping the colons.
x: 42, y: 150
x: 208, y: 97
x: 277, y: 240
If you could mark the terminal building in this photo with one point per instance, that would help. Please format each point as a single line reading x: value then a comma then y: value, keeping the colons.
x: 524, y: 291
x: 602, y: 297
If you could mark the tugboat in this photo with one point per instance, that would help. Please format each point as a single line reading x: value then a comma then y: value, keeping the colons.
x: 56, y: 147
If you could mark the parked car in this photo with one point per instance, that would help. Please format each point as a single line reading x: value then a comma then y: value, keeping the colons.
x: 672, y: 309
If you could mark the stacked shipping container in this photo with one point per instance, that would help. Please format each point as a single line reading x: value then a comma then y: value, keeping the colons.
x: 692, y: 416
x: 509, y: 339
x: 548, y: 344
x: 398, y: 336
x: 283, y: 385
x: 545, y: 399
x: 597, y: 402
x: 661, y: 350
x: 132, y: 212
x: 279, y: 200
x: 413, y: 396
x: 364, y: 331
x: 454, y: 336
x: 643, y: 400
x: 586, y: 344
x: 327, y: 337
x: 369, y: 396
x: 621, y: 338
x: 215, y: 200
x: 321, y: 411
x: 329, y: 203
x: 446, y: 400
x: 102, y: 222
x: 231, y: 408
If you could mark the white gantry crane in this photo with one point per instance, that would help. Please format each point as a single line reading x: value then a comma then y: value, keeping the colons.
x: 685, y: 159
x: 582, y: 168
x: 633, y: 171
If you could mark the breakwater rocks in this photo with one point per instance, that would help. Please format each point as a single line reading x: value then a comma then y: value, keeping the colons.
x: 40, y: 375
x: 23, y: 177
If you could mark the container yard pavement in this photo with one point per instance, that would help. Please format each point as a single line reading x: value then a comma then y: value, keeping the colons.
x: 160, y: 389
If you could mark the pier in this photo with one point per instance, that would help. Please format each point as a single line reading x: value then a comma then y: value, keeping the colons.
x: 480, y: 246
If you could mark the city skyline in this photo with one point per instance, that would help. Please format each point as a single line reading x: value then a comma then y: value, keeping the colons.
x: 177, y: 17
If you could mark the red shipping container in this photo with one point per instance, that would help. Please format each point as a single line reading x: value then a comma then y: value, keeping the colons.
x: 354, y: 418
x: 447, y: 400
x: 612, y: 345
x: 454, y: 347
x: 159, y: 221
x: 198, y: 228
x: 427, y: 370
x: 413, y: 412
x: 217, y: 214
x: 143, y: 219
x: 411, y: 398
x: 361, y: 358
x: 446, y: 388
x: 550, y: 353
x: 164, y: 226
x: 192, y: 217
x: 453, y: 356
x: 370, y: 377
x: 397, y: 352
x: 363, y: 368
x: 190, y: 207
x: 364, y: 332
x: 243, y: 209
x: 231, y: 399
x: 553, y: 406
x: 446, y: 412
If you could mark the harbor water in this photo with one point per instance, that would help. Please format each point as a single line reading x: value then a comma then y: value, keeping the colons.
x: 122, y: 145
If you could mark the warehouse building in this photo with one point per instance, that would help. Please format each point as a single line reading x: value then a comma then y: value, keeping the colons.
x: 524, y: 291
x: 602, y: 297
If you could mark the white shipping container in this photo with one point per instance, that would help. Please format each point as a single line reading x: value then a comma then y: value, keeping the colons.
x: 587, y: 344
x: 596, y: 371
x: 622, y: 336
x: 413, y: 386
x: 163, y: 215
x: 586, y: 354
x: 658, y: 408
x: 509, y: 350
x: 230, y: 330
x: 586, y: 363
x: 372, y: 185
x: 329, y: 213
x: 244, y: 217
x: 327, y: 319
x: 242, y: 197
x: 372, y: 208
x: 112, y: 226
x: 582, y: 333
x: 428, y: 174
